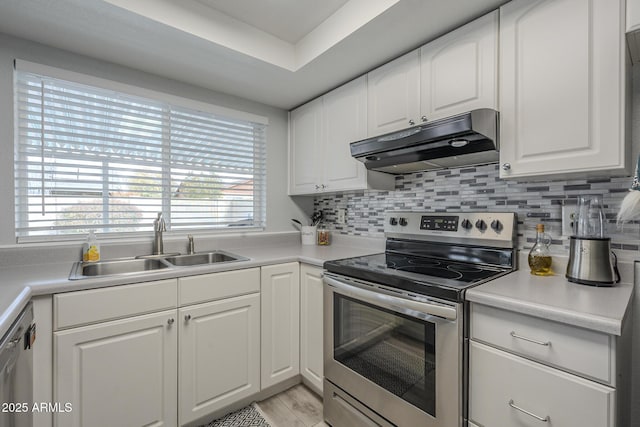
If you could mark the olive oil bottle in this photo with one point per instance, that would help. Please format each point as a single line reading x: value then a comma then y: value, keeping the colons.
x: 540, y: 256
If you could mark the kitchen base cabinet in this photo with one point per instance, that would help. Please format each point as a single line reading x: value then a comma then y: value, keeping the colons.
x: 280, y: 323
x: 42, y: 356
x: 219, y: 355
x: 311, y: 312
x: 118, y: 373
x: 525, y: 369
x: 506, y: 389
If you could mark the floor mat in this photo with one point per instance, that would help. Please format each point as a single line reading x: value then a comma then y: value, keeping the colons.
x: 245, y: 417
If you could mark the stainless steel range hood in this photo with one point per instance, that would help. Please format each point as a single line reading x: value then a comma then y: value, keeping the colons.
x: 466, y: 139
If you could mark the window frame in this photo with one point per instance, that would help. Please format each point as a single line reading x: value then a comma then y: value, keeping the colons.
x: 259, y: 191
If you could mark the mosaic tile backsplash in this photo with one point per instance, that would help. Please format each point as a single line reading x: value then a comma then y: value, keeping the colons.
x: 480, y: 188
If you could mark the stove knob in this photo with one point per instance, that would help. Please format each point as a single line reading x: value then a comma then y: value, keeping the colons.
x: 403, y: 221
x: 481, y: 225
x: 393, y: 221
x: 496, y: 225
x: 466, y: 224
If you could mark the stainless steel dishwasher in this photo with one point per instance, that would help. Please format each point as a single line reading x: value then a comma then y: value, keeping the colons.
x: 16, y: 371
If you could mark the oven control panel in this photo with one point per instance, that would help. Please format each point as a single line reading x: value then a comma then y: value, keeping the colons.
x: 444, y: 223
x: 482, y: 228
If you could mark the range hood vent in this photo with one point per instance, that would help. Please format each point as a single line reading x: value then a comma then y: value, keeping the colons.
x: 463, y: 140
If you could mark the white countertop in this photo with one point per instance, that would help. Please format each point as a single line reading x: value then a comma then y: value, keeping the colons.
x: 600, y: 309
x: 553, y: 297
x: 18, y: 284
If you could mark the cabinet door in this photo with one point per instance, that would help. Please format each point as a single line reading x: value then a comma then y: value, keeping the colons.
x: 219, y: 355
x: 305, y: 139
x: 503, y: 386
x: 280, y: 323
x: 311, y: 355
x: 345, y: 121
x: 119, y: 373
x: 562, y: 65
x: 394, y: 95
x: 633, y: 15
x: 459, y: 71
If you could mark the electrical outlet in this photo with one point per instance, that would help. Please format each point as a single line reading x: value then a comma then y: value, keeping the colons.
x: 568, y: 217
x: 342, y: 216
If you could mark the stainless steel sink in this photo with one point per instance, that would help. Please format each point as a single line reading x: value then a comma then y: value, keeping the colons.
x: 83, y: 270
x: 203, y: 258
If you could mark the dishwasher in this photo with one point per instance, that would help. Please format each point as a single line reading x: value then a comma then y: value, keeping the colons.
x: 16, y: 371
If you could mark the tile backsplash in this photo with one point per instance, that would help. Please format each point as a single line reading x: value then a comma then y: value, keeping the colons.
x: 480, y: 188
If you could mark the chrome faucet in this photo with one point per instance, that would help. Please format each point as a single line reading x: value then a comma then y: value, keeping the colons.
x: 159, y: 227
x: 191, y: 249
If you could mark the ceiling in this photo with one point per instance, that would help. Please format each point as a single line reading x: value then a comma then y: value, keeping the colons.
x: 300, y: 16
x: 277, y: 52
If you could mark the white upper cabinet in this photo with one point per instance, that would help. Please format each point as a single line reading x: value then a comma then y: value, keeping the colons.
x: 633, y: 15
x: 321, y: 131
x: 459, y: 70
x: 345, y: 121
x: 305, y: 147
x: 394, y: 95
x: 562, y: 87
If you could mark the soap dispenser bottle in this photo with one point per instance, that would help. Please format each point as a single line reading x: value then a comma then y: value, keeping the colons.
x: 91, y: 248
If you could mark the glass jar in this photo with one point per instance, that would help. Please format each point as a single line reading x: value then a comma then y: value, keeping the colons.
x: 323, y: 235
x: 540, y: 255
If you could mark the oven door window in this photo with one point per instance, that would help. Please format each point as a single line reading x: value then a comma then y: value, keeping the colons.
x: 394, y: 351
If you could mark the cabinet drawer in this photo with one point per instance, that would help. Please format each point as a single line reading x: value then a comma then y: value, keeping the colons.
x: 502, y: 386
x: 99, y: 305
x: 578, y: 350
x: 209, y: 287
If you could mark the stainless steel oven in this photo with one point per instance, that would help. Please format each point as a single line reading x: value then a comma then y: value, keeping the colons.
x: 398, y: 349
x: 395, y: 349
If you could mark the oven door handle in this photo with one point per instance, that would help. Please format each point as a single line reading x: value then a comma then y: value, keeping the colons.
x: 391, y: 302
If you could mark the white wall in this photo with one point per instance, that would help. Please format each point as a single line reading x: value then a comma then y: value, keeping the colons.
x: 280, y: 207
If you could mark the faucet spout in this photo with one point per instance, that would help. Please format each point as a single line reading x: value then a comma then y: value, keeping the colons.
x: 159, y: 227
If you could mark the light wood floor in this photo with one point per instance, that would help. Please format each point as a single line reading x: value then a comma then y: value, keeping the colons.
x: 296, y: 407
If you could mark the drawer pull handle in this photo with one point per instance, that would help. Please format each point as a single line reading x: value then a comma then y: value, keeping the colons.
x: 520, y: 337
x: 531, y: 414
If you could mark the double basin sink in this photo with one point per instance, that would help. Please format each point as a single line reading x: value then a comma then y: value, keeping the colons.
x: 85, y: 270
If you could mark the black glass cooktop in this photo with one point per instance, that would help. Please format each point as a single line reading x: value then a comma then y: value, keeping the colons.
x: 427, y: 276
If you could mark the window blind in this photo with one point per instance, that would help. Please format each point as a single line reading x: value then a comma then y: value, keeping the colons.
x: 91, y: 158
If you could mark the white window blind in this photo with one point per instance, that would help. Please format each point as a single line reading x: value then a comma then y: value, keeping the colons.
x: 90, y: 158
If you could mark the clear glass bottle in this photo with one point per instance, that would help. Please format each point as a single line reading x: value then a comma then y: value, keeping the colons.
x: 323, y: 236
x: 540, y: 255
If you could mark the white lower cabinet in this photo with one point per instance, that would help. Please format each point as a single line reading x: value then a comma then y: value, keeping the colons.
x: 506, y: 389
x: 219, y: 355
x: 311, y: 312
x: 118, y: 373
x: 118, y: 365
x: 530, y: 371
x: 280, y: 323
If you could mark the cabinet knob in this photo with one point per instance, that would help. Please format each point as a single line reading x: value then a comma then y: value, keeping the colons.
x: 317, y: 187
x: 423, y: 118
x: 506, y: 166
x: 411, y: 123
x: 187, y: 317
x: 323, y: 186
x: 170, y: 321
